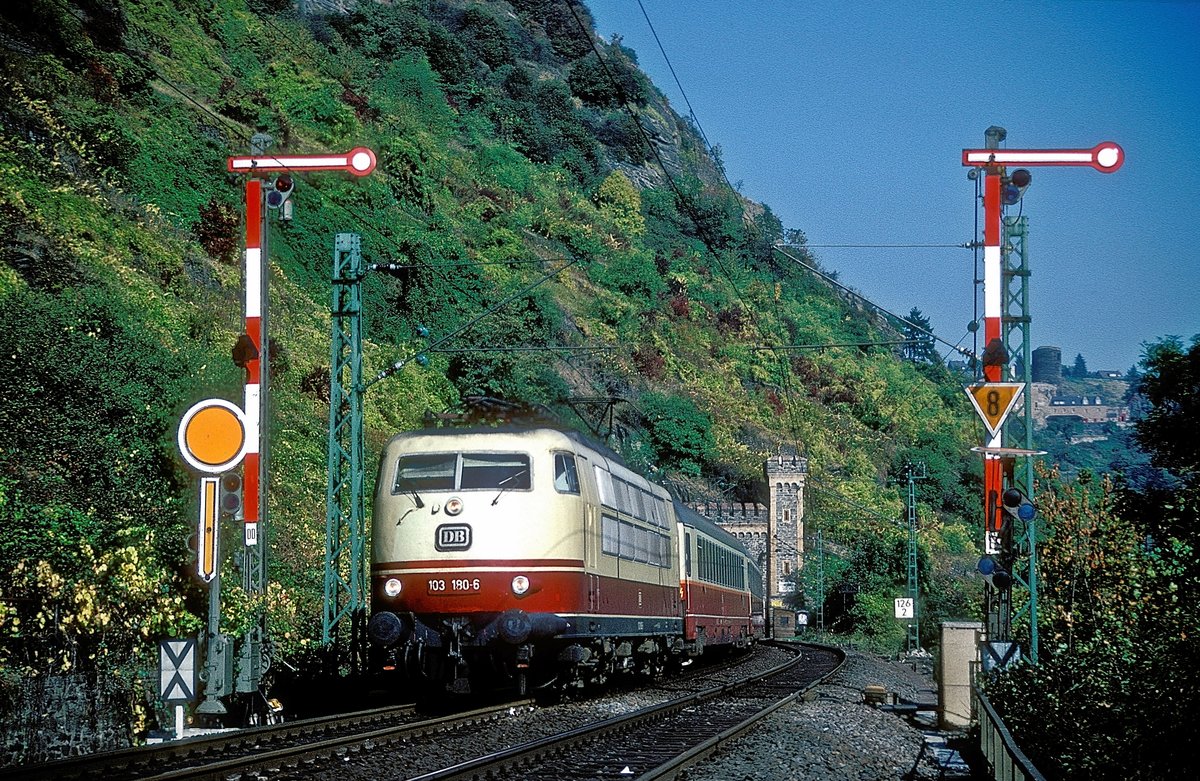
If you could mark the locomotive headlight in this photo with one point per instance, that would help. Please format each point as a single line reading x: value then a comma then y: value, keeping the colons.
x: 520, y: 584
x: 392, y: 587
x: 454, y: 506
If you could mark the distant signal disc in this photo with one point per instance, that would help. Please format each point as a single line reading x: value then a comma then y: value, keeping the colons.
x: 212, y: 436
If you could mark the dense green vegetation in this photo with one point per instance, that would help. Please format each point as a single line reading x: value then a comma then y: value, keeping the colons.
x: 1115, y: 686
x: 505, y: 152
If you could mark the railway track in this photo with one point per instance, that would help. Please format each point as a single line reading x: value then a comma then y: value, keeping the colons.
x: 656, y: 742
x: 689, y: 715
x: 225, y: 754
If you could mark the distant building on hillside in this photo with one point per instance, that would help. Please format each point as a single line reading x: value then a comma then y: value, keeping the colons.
x: 1089, y: 409
x: 772, y: 533
x: 1047, y: 365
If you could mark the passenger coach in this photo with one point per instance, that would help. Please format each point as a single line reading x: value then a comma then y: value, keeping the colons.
x: 721, y: 586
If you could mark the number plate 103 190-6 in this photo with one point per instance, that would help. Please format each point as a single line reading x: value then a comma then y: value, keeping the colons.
x: 450, y: 586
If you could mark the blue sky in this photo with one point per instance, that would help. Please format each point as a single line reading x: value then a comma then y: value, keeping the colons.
x: 848, y: 119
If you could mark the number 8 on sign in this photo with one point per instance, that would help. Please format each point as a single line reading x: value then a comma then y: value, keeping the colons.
x: 993, y: 401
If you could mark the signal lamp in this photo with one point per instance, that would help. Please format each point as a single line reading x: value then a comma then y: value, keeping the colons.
x: 520, y: 584
x: 1016, y: 505
x: 1015, y: 186
x: 230, y: 500
x: 996, y: 576
x: 392, y: 587
x: 280, y: 192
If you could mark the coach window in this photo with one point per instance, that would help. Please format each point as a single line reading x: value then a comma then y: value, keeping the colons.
x: 566, y: 477
x: 604, y: 485
x: 610, y: 539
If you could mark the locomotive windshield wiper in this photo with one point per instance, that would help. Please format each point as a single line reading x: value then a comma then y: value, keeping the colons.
x: 510, y: 478
x: 416, y: 497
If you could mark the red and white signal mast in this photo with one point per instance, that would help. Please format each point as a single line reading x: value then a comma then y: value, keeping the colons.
x: 992, y: 398
x: 249, y: 351
x: 216, y: 437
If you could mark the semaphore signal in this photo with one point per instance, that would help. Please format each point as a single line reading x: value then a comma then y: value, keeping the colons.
x: 994, y: 399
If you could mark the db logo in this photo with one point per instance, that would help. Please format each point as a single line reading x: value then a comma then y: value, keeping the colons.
x: 452, y: 536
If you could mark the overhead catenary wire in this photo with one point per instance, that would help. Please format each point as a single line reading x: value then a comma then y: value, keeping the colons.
x: 868, y: 301
x: 684, y: 202
x: 819, y: 486
x: 786, y: 368
x: 825, y: 345
x: 237, y: 131
x: 526, y: 349
x: 968, y: 245
x: 962, y: 245
x: 567, y: 352
x: 670, y: 67
x: 395, y: 367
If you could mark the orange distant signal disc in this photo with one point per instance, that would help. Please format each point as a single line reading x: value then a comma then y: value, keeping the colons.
x: 212, y: 436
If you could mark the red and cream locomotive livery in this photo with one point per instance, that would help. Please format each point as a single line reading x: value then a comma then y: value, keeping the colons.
x: 527, y: 555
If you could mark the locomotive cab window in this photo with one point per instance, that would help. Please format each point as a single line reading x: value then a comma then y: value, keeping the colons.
x: 426, y: 473
x: 566, y: 477
x: 462, y: 471
x: 509, y: 471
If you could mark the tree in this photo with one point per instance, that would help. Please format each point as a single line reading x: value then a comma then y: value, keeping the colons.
x: 919, y: 334
x: 1091, y: 577
x: 1171, y: 383
x: 1120, y: 604
x: 680, y: 434
x: 1080, y: 369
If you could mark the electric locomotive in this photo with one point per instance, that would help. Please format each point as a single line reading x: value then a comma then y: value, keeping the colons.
x: 520, y: 554
x: 527, y: 556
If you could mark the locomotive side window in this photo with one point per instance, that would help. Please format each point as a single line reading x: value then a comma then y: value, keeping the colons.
x: 604, y: 484
x: 566, y: 478
x: 509, y: 471
x: 425, y: 473
x: 687, y: 552
x: 636, y: 507
x: 633, y: 543
x: 610, y: 535
x: 628, y: 543
x: 621, y: 494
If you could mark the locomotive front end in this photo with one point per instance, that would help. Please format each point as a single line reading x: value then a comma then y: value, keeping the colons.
x: 478, y: 549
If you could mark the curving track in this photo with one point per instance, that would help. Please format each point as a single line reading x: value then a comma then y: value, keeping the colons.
x: 672, y: 724
x: 655, y: 742
x: 227, y: 754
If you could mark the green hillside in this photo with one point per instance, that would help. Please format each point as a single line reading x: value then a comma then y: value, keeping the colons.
x: 511, y: 143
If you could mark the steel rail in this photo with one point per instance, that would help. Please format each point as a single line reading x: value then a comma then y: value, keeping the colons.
x: 254, y: 744
x: 296, y: 755
x: 693, y: 756
x: 507, y: 763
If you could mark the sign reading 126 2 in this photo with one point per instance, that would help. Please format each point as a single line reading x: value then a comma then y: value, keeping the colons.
x: 993, y: 401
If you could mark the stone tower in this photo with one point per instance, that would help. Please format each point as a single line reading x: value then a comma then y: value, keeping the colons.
x: 786, y: 473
